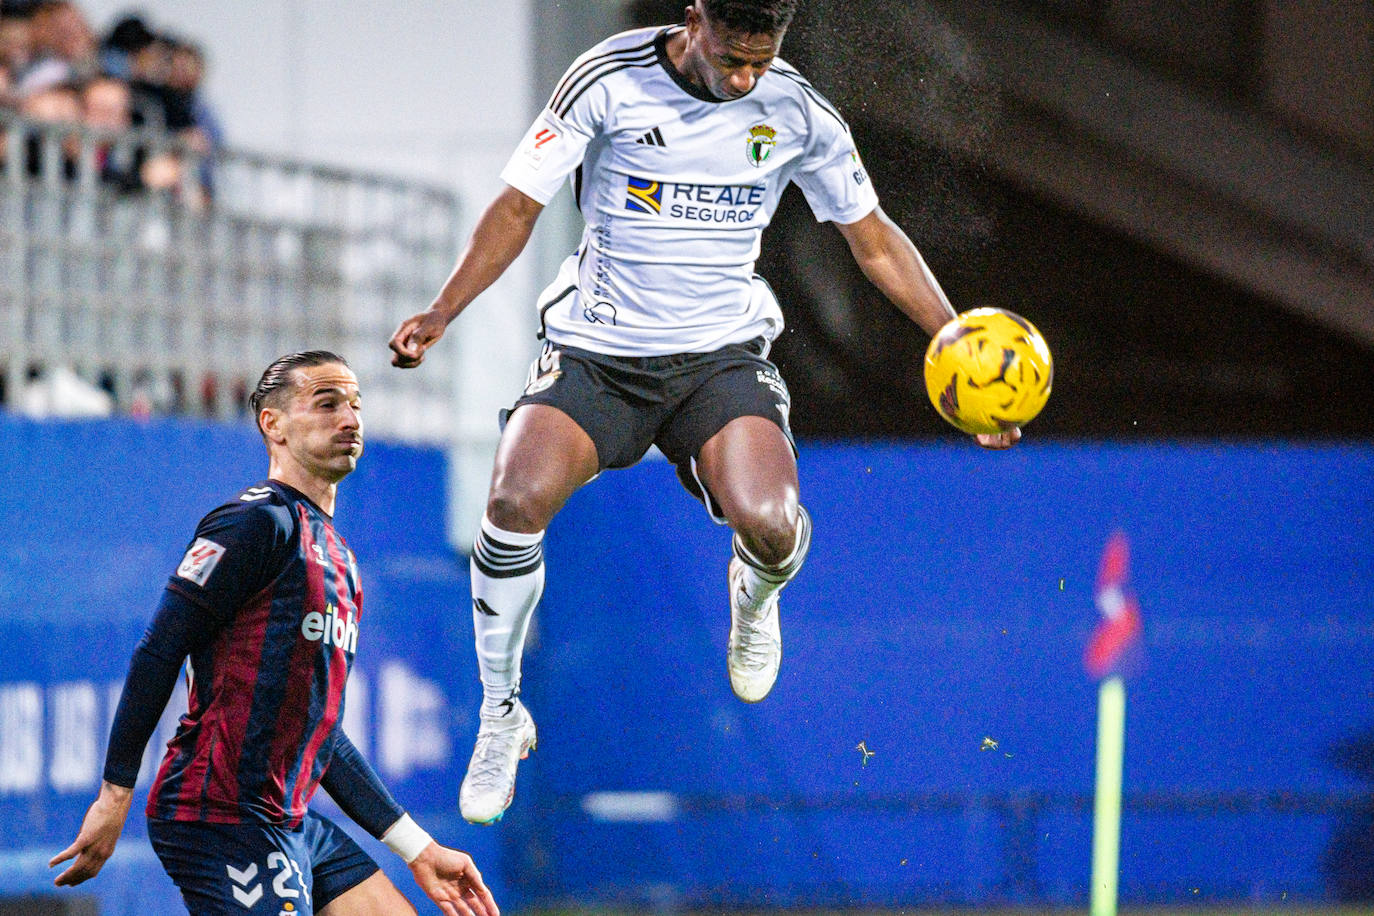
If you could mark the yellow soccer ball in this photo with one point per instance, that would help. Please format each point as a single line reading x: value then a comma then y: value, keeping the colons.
x: 988, y: 370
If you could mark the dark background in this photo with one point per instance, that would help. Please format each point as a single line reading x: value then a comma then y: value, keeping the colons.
x: 1145, y: 345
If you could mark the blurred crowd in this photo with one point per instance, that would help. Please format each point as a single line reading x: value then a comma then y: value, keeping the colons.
x: 55, y: 69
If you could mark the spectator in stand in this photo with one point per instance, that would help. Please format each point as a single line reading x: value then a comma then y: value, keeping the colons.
x: 203, y: 133
x: 16, y: 49
x: 157, y: 106
x: 58, y: 104
x: 126, y: 36
x: 149, y: 65
x: 64, y: 48
x: 106, y: 108
x: 184, y: 77
x: 52, y: 69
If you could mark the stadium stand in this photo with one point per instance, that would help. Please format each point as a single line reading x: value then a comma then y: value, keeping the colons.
x: 149, y: 270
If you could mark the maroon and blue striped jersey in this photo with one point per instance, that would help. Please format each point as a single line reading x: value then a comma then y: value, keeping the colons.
x: 281, y: 596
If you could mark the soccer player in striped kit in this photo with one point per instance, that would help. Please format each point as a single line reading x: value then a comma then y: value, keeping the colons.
x: 678, y: 143
x: 267, y: 604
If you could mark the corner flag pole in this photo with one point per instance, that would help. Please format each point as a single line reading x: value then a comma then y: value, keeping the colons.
x: 1111, y: 746
x: 1116, y: 635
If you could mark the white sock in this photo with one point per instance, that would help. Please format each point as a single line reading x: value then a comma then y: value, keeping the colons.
x: 761, y: 581
x: 507, y: 580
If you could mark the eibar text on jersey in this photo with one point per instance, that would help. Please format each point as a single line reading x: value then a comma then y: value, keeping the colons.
x: 336, y: 630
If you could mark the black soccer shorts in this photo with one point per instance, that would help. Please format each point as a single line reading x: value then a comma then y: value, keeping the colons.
x: 259, y: 869
x: 677, y: 402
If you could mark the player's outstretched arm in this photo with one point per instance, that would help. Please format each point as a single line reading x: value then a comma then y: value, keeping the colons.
x: 96, y: 840
x: 891, y: 262
x: 451, y: 880
x: 497, y: 240
x: 178, y: 629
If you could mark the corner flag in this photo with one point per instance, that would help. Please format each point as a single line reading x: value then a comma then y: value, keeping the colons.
x: 1120, y: 628
x: 1118, y: 632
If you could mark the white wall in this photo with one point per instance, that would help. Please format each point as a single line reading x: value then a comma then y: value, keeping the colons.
x: 432, y: 89
x: 412, y: 87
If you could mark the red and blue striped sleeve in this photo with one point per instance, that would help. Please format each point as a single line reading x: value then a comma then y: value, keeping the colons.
x: 231, y: 558
x: 358, y: 790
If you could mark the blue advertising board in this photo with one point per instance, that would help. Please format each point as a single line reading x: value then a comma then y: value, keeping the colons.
x: 940, y: 621
x: 931, y: 736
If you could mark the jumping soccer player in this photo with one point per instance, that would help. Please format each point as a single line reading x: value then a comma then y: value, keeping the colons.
x: 266, y: 603
x: 679, y: 142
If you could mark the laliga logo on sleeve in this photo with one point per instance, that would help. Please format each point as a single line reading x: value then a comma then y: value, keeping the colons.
x: 759, y: 146
x: 534, y: 151
x: 200, y: 560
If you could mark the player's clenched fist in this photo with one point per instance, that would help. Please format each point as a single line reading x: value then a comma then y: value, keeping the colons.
x: 416, y: 335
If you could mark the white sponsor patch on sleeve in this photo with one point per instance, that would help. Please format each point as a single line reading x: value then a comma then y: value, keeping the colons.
x: 535, y: 143
x: 200, y: 561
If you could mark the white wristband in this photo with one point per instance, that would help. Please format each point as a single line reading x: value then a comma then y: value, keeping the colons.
x: 406, y: 838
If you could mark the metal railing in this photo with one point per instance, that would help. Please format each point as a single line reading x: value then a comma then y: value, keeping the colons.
x: 173, y: 298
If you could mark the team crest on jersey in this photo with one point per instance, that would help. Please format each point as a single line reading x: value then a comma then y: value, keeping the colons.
x: 200, y: 560
x: 644, y: 195
x: 759, y: 147
x: 544, y: 371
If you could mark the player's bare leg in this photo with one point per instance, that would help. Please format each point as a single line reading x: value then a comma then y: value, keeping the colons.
x: 543, y: 458
x: 751, y: 471
x: 374, y: 896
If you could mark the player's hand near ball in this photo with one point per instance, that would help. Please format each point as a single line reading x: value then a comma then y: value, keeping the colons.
x: 1004, y: 439
x: 989, y: 372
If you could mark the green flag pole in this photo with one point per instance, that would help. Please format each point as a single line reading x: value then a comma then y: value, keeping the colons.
x: 1111, y: 745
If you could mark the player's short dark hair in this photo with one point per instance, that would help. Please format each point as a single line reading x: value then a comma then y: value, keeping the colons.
x: 277, y: 380
x: 752, y: 17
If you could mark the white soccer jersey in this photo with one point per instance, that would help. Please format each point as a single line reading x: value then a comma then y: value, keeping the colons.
x: 676, y: 188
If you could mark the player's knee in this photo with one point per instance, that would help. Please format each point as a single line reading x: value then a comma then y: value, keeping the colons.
x: 769, y: 530
x: 518, y: 510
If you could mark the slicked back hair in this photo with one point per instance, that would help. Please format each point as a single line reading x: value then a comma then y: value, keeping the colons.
x: 751, y: 17
x: 277, y: 381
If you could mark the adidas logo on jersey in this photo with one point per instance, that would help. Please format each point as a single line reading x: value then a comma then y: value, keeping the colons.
x: 653, y: 138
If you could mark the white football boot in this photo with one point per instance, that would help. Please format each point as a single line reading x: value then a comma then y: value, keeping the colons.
x: 755, y: 649
x: 490, y: 782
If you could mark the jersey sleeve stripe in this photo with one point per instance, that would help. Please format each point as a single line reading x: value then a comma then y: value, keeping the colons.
x: 811, y: 92
x: 562, y: 105
x: 590, y: 60
x: 579, y: 71
x: 567, y: 106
